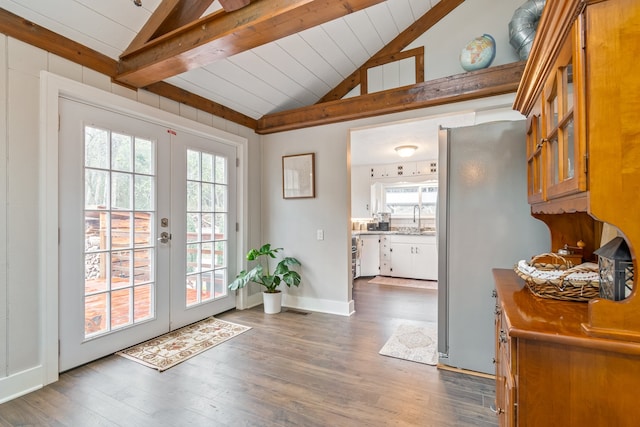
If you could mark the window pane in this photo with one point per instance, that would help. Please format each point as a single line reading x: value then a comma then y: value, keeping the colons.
x: 220, y: 281
x: 192, y: 257
x: 207, y: 197
x: 144, y: 157
x: 193, y: 165
x: 193, y: 196
x: 193, y: 227
x: 206, y: 292
x: 121, y: 151
x: 220, y: 227
x: 220, y: 198
x: 144, y: 192
x: 143, y: 267
x: 96, y: 148
x: 121, y: 191
x: 220, y: 260
x: 206, y: 257
x: 95, y: 314
x: 96, y: 272
x: 95, y: 227
x: 206, y: 227
x: 221, y: 170
x: 207, y: 167
x: 192, y: 289
x: 143, y: 229
x: 143, y: 302
x: 121, y: 308
x: 121, y: 229
x: 120, y: 269
x: 96, y: 189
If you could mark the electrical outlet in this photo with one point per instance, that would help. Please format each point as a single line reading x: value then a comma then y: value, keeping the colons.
x: 320, y: 234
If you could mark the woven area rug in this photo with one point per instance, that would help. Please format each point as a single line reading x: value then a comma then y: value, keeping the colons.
x: 407, y: 283
x: 416, y: 342
x: 168, y: 350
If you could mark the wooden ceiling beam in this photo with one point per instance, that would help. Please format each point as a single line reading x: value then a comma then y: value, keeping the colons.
x: 196, y: 101
x: 168, y: 16
x: 460, y: 87
x: 35, y: 35
x: 404, y: 39
x: 221, y: 35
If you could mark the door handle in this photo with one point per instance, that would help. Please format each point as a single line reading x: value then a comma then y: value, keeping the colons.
x: 164, y: 237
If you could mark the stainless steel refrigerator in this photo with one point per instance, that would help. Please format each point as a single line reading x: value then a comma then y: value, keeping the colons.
x: 483, y: 222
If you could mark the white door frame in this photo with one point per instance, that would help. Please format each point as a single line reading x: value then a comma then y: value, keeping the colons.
x: 51, y: 88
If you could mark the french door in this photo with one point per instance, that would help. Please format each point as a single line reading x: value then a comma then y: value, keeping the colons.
x: 145, y: 237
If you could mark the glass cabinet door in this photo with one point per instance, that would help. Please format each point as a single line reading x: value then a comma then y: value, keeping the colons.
x: 535, y: 160
x: 565, y: 169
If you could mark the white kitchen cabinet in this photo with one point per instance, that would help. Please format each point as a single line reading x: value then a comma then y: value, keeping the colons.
x: 385, y: 255
x: 360, y: 192
x: 369, y: 254
x: 414, y: 257
x: 427, y: 168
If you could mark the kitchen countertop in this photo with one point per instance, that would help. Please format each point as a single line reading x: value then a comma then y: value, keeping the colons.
x: 394, y: 232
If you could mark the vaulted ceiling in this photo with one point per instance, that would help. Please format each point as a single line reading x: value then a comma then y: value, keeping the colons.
x: 267, y: 64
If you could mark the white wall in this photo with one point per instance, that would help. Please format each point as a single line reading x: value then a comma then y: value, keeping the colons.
x: 22, y: 294
x: 471, y: 19
x: 292, y: 224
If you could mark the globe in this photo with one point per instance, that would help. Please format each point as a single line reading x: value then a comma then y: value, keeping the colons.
x: 478, y: 53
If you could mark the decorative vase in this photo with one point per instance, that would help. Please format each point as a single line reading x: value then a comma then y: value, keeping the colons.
x: 272, y: 302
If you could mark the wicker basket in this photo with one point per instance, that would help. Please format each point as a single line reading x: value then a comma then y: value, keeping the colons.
x: 560, y: 280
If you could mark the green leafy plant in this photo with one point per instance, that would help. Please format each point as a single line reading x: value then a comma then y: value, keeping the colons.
x: 261, y: 274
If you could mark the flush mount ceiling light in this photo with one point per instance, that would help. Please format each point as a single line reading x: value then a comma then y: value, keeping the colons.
x: 406, y: 150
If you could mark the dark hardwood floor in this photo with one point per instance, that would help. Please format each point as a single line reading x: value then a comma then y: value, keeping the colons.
x: 291, y: 369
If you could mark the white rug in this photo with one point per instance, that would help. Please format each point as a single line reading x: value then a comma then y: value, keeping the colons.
x: 417, y: 342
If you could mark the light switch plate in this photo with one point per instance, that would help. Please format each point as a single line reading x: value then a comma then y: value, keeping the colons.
x: 320, y: 234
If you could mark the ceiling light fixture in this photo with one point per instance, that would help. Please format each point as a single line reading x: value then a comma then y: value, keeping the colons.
x: 406, y: 150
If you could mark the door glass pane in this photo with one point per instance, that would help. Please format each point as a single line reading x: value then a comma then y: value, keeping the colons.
x: 555, y: 153
x: 119, y: 284
x: 569, y: 149
x: 207, y: 214
x: 569, y: 96
x: 552, y: 107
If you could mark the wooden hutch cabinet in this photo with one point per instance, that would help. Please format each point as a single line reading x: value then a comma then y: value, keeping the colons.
x: 562, y: 363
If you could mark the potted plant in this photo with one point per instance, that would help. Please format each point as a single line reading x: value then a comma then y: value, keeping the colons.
x: 262, y: 275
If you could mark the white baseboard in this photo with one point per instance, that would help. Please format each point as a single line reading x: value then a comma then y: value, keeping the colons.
x: 319, y: 305
x: 308, y: 304
x: 19, y: 384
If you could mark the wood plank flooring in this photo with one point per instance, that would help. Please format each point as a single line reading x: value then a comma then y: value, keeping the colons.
x: 291, y: 369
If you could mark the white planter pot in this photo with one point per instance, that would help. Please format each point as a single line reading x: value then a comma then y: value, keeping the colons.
x: 272, y: 302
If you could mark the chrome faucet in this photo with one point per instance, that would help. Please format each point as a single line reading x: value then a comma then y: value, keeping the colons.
x: 414, y: 216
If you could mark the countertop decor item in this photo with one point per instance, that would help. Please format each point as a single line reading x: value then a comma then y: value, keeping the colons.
x: 261, y: 274
x: 616, y: 269
x: 478, y: 53
x: 560, y: 279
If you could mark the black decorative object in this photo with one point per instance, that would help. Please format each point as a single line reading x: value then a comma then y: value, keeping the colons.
x: 616, y: 269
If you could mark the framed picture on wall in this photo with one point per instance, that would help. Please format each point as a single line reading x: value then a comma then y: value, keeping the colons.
x: 298, y: 176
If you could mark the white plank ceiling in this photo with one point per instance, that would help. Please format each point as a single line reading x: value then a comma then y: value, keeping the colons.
x: 292, y: 72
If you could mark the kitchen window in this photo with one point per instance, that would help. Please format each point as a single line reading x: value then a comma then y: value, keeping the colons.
x: 400, y: 199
